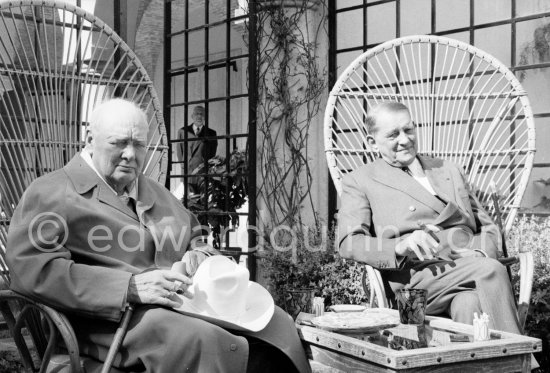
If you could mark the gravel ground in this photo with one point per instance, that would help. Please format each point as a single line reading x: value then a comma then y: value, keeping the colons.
x: 10, y: 362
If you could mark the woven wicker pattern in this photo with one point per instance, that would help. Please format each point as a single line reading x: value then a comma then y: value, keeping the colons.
x: 468, y: 107
x: 56, y: 62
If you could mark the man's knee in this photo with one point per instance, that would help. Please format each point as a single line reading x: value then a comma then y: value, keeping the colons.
x: 492, y: 267
x: 174, y: 328
x: 263, y: 357
x: 484, y: 267
x: 463, y: 306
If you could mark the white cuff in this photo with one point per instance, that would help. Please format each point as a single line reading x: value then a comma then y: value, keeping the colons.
x: 482, y: 252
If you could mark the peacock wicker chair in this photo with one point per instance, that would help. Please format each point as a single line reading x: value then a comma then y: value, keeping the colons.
x: 57, y: 62
x: 469, y: 108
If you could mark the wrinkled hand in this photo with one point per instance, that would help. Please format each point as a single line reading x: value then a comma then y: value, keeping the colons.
x: 420, y: 243
x: 158, y: 287
x: 463, y: 253
x: 193, y: 258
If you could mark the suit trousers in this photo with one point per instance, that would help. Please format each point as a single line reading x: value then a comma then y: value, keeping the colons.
x: 481, y: 284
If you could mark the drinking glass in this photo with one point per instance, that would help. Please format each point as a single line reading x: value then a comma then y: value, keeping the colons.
x: 412, y: 305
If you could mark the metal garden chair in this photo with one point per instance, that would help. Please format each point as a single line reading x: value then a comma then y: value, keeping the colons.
x: 56, y: 62
x: 469, y: 108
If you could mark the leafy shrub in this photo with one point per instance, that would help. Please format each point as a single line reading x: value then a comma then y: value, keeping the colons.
x: 533, y: 233
x: 297, y: 265
x: 316, y: 265
x: 341, y: 282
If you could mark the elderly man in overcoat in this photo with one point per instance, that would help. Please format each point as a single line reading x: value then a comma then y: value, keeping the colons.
x: 97, y: 234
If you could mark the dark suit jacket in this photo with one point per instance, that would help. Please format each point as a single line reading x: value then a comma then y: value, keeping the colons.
x: 382, y: 205
x: 197, y: 151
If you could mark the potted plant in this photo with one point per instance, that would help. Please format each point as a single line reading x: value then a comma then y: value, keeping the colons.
x: 225, y: 191
x: 292, y: 265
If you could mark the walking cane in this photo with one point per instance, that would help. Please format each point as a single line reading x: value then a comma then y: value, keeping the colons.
x: 117, y: 341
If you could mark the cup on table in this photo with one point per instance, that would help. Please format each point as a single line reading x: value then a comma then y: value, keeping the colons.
x: 412, y: 305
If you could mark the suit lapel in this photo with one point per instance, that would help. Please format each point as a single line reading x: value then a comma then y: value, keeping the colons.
x: 440, y: 178
x: 397, y: 179
x: 444, y: 183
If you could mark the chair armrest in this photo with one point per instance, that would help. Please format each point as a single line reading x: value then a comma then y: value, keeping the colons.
x: 57, y: 323
x: 377, y: 290
x: 508, y: 261
x: 526, y: 272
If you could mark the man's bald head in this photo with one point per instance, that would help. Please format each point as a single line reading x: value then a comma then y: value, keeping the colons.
x: 117, y: 112
x: 116, y: 141
x: 383, y: 107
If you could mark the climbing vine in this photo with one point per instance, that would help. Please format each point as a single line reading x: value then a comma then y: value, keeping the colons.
x: 290, y: 86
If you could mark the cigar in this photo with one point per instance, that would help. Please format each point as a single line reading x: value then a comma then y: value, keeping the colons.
x: 429, y: 231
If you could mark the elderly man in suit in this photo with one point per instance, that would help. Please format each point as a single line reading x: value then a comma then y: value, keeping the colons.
x: 454, y: 256
x: 201, y: 147
x: 96, y: 235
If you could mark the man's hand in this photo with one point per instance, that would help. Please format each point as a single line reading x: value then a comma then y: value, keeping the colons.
x: 158, y: 287
x: 419, y: 242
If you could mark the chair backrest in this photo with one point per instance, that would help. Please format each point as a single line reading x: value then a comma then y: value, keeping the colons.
x: 56, y: 63
x: 469, y: 108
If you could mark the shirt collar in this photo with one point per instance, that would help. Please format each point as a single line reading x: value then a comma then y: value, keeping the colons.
x: 130, y: 191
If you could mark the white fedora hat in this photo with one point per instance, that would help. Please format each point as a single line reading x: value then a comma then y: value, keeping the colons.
x: 223, y: 295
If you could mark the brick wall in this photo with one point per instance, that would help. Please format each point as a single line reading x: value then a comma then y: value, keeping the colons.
x: 149, y: 33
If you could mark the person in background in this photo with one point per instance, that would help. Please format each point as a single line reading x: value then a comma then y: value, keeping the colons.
x: 201, y: 148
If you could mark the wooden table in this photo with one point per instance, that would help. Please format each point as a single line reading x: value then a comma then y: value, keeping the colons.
x: 441, y: 345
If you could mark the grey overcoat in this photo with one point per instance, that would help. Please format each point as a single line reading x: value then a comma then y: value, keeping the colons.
x: 73, y: 244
